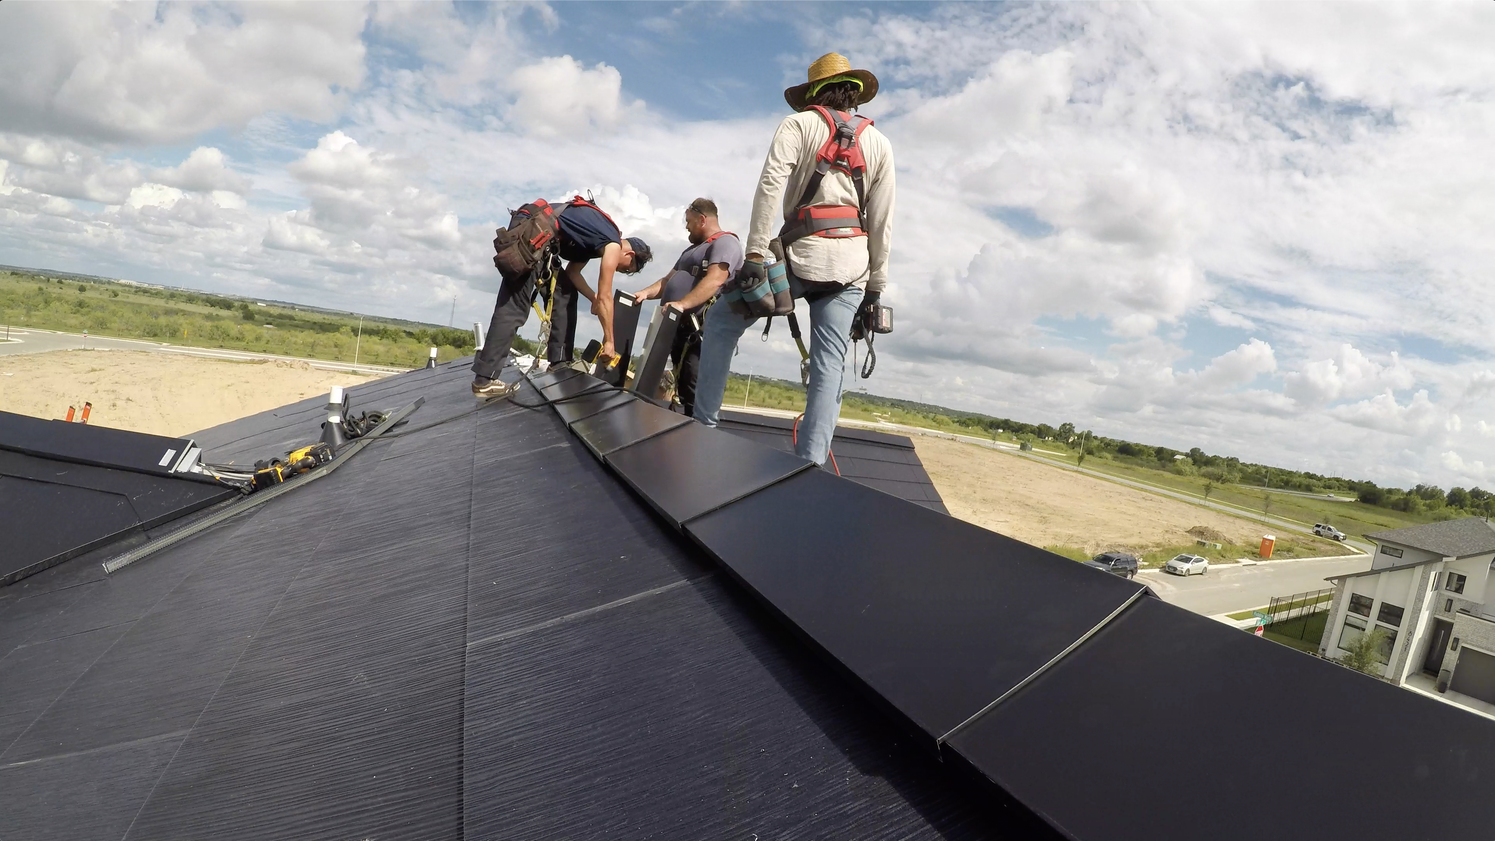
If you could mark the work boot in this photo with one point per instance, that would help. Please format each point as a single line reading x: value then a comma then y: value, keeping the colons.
x: 492, y: 389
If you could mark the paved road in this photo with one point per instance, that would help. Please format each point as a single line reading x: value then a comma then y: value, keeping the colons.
x: 1227, y: 589
x: 41, y: 341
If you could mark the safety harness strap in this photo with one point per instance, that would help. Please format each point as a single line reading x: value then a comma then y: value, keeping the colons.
x: 841, y: 152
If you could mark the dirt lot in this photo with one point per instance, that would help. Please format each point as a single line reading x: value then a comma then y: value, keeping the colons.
x: 153, y: 392
x: 1049, y: 506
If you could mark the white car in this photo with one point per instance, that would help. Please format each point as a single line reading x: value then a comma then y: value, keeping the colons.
x: 1187, y: 565
x: 1328, y: 531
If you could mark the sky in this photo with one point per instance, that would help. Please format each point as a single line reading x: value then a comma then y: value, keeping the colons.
x: 1259, y: 229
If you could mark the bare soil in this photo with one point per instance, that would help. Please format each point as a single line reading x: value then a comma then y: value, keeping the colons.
x: 1050, y: 506
x: 155, y: 392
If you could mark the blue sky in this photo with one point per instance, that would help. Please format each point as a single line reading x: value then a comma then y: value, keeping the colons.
x: 1258, y: 229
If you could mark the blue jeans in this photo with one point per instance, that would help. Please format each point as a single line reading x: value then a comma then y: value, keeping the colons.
x: 830, y: 335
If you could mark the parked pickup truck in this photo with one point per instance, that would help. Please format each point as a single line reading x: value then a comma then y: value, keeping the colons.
x: 1323, y: 530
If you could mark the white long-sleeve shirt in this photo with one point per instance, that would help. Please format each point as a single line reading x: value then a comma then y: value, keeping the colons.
x: 862, y: 261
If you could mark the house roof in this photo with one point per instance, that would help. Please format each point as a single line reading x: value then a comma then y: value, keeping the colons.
x: 572, y: 615
x: 1449, y: 539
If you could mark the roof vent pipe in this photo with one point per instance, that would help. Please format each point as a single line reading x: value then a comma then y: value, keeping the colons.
x: 337, y: 409
x: 431, y: 362
x: 477, y: 335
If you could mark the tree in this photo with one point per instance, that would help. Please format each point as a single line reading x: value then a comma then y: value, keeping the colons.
x: 1364, y: 654
x: 1458, y: 498
x: 1209, y: 485
x: 1372, y: 495
x: 1066, y: 432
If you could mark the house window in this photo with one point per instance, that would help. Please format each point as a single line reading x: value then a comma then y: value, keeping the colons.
x: 1455, y: 582
x: 1353, y: 630
x: 1448, y: 605
x: 1391, y: 550
x: 1360, y: 604
x: 1388, y: 643
x: 1390, y: 614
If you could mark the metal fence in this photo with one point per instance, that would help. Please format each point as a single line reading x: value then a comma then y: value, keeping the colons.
x: 1284, y: 610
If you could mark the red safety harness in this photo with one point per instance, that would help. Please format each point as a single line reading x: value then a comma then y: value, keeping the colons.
x: 841, y: 152
x: 698, y: 271
x: 578, y: 200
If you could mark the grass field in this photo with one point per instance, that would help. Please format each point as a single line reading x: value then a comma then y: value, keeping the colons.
x: 126, y: 311
x: 1288, y: 546
x: 1353, y: 518
x: 1302, y: 633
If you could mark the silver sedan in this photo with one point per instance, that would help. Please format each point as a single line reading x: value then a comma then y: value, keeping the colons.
x: 1187, y: 565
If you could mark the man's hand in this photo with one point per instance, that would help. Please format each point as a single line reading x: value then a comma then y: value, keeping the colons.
x: 598, y: 305
x: 675, y: 305
x: 643, y: 294
x: 607, y: 354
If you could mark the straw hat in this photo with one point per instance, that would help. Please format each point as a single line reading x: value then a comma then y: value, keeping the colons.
x: 828, y: 65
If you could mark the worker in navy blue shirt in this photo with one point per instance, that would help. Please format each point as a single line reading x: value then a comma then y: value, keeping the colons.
x: 713, y: 258
x: 583, y: 233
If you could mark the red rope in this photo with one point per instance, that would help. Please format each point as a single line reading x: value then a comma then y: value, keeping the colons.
x: 828, y: 450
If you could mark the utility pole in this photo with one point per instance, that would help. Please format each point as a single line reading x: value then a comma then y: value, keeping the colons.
x: 749, y: 388
x: 452, y: 319
x: 358, y: 342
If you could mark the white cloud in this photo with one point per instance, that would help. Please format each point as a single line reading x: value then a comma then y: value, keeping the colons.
x: 1471, y: 470
x: 1240, y: 366
x: 143, y: 72
x: 558, y: 95
x: 204, y: 171
x: 1384, y: 414
x: 154, y: 195
x: 1348, y: 375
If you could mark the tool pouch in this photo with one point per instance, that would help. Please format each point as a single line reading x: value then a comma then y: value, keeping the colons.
x: 756, y: 288
x: 778, y: 285
x: 778, y: 279
x: 731, y: 296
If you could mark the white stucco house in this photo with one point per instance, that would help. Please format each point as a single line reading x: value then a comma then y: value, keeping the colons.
x: 1429, y: 588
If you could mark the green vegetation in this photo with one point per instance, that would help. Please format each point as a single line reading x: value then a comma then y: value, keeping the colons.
x: 1295, y: 604
x: 1302, y: 633
x: 107, y: 308
x: 1070, y: 552
x: 1364, y: 654
x: 61, y: 301
x: 1353, y: 506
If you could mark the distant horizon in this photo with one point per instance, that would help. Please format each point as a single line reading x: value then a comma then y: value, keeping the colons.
x: 861, y: 391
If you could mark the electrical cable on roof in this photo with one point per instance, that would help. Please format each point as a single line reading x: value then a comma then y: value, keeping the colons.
x: 828, y: 450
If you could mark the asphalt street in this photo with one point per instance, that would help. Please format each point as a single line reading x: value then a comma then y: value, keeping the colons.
x: 1234, y: 587
x: 42, y: 341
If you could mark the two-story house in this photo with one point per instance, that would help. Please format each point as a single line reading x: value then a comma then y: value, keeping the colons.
x: 1429, y: 589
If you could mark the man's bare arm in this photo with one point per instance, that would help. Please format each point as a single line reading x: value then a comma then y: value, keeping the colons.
x: 573, y: 273
x: 602, y: 303
x: 715, y: 277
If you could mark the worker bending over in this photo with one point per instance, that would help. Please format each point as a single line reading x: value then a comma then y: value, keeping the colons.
x: 711, y: 260
x: 830, y: 173
x: 583, y: 232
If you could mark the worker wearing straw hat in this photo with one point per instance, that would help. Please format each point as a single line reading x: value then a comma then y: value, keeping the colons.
x: 836, y: 207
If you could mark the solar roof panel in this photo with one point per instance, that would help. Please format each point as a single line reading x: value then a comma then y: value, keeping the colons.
x: 1220, y: 734
x: 691, y: 469
x: 938, y: 617
x: 630, y: 424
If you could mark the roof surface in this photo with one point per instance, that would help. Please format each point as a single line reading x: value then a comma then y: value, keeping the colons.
x: 1449, y: 539
x: 470, y: 630
x: 574, y: 614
